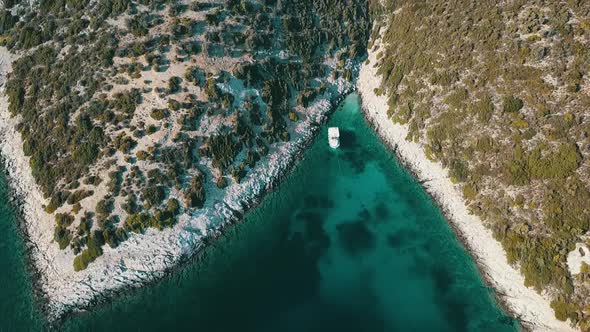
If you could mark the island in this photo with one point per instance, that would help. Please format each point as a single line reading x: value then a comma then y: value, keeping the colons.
x: 133, y: 132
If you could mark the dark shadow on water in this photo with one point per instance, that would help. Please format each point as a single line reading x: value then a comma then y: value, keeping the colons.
x: 456, y: 313
x: 357, y: 158
x: 325, y: 317
x: 310, y: 217
x: 443, y: 280
x: 348, y: 140
x: 453, y: 306
x: 364, y: 215
x: 355, y: 237
x: 317, y: 241
x: 257, y: 287
x: 317, y: 202
x: 381, y: 211
x: 400, y: 238
x: 352, y: 151
x: 356, y: 161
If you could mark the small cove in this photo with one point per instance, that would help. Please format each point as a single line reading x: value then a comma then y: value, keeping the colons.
x: 349, y: 241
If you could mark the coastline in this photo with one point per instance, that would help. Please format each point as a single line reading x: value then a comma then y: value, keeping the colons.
x: 17, y: 196
x: 195, y: 233
x: 147, y: 258
x: 531, y: 308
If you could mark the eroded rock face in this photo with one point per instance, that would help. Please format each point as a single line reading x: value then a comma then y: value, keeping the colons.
x: 133, y: 132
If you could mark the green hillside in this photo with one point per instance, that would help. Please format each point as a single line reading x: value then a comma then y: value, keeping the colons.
x: 498, y: 92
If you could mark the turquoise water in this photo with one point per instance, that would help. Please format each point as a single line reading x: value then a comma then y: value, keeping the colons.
x: 17, y: 309
x: 348, y: 242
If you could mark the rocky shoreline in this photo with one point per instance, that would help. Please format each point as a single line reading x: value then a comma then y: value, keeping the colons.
x: 60, y: 292
x: 525, y: 304
x: 146, y: 260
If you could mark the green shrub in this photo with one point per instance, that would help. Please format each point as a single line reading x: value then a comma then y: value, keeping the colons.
x: 469, y: 192
x: 194, y: 195
x: 293, y: 116
x: 86, y: 153
x: 64, y: 219
x: 104, y: 206
x: 563, y: 309
x: 174, y: 84
x: 173, y: 206
x: 62, y: 236
x: 154, y: 195
x: 512, y: 104
x: 91, y: 253
x: 559, y: 164
x: 159, y: 114
x: 79, y: 195
x: 124, y: 143
x: 484, y: 109
x: 137, y: 222
x: 142, y: 155
x: 221, y: 182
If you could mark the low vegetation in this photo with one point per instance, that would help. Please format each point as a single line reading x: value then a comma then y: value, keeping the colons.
x: 498, y: 92
x: 134, y: 111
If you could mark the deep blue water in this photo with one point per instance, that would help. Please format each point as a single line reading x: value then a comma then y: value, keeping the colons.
x: 348, y: 242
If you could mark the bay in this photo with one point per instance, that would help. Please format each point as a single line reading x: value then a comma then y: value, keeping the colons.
x: 349, y: 241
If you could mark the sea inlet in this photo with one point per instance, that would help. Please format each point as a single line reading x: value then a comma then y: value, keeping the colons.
x: 349, y: 241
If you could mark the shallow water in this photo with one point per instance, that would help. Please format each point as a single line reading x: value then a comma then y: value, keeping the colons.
x: 348, y: 242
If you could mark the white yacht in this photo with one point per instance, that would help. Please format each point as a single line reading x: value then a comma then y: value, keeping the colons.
x: 334, y: 137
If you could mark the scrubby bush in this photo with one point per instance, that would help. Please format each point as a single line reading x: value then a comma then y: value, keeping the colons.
x: 486, y: 136
x: 91, y: 253
x: 159, y: 114
x: 62, y: 234
x: 104, y: 206
x: 78, y: 115
x: 142, y: 155
x: 194, y: 195
x: 512, y: 104
x: 154, y: 195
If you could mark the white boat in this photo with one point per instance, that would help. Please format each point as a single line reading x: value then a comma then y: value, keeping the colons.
x: 334, y: 137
